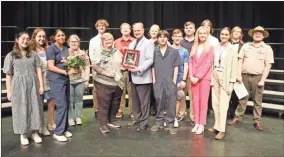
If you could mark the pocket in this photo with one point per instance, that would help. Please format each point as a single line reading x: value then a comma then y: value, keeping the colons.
x: 260, y: 55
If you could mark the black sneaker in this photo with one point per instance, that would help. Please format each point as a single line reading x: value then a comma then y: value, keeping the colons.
x: 173, y: 131
x: 156, y: 128
x: 104, y: 129
x: 114, y: 124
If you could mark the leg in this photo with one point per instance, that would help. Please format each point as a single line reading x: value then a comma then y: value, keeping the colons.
x: 136, y: 105
x: 116, y: 99
x: 158, y: 94
x: 59, y: 93
x: 95, y: 99
x: 171, y: 111
x: 79, y: 93
x: 203, y: 98
x: 195, y: 97
x: 241, y: 108
x: 216, y: 103
x: 72, y: 101
x: 129, y: 92
x: 144, y: 92
x: 182, y: 107
x: 123, y: 101
x: 104, y: 95
x: 257, y: 93
x: 51, y: 110
x: 223, y: 108
x: 233, y: 103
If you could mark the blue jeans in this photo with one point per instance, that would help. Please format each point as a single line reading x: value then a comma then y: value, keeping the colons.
x: 76, y: 100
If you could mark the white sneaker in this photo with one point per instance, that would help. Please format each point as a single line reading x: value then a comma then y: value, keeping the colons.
x: 51, y: 127
x: 78, y: 121
x: 71, y: 122
x: 165, y: 124
x: 36, y: 138
x: 44, y: 131
x: 195, y: 128
x: 176, y: 123
x: 24, y: 140
x: 60, y: 138
x: 67, y: 134
x: 200, y: 130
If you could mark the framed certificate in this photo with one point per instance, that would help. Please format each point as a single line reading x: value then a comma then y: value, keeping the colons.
x: 130, y: 58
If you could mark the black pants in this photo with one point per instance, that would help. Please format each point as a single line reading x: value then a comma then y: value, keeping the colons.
x: 233, y: 103
x: 141, y: 103
x: 109, y: 99
x: 153, y: 105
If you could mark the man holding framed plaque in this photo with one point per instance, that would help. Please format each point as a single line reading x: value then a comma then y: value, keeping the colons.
x: 141, y: 75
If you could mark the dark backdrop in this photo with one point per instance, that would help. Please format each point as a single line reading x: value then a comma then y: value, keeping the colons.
x: 165, y: 14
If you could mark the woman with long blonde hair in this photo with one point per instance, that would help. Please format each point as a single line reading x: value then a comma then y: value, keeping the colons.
x: 201, y: 59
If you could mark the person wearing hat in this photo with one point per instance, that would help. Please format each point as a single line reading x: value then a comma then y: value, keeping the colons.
x: 255, y: 61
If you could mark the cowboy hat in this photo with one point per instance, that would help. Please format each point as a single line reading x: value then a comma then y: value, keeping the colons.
x: 258, y: 29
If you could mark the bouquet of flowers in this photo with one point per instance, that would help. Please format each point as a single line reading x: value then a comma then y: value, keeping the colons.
x: 75, y: 62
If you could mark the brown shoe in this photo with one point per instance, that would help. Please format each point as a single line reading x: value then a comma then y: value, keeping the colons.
x: 235, y: 121
x: 258, y: 126
x: 119, y: 114
x: 220, y: 136
x: 213, y: 130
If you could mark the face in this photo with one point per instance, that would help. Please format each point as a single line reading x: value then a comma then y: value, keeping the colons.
x: 207, y: 26
x: 40, y: 38
x: 23, y: 40
x: 108, y: 42
x: 202, y: 35
x: 224, y: 36
x: 154, y: 32
x: 125, y: 30
x: 177, y: 38
x: 163, y: 40
x: 237, y: 34
x: 189, y: 30
x: 258, y: 36
x: 60, y: 37
x: 74, y: 43
x: 101, y: 28
x: 138, y: 31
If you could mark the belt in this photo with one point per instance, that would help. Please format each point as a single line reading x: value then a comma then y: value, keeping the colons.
x: 248, y: 74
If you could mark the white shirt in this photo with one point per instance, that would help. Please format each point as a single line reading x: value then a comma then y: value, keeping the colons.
x: 199, y: 52
x: 95, y: 46
x: 213, y: 41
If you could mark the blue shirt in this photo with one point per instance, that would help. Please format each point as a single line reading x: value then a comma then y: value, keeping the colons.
x: 185, y: 58
x: 54, y: 53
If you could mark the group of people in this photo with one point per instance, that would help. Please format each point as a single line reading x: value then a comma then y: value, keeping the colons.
x: 196, y: 63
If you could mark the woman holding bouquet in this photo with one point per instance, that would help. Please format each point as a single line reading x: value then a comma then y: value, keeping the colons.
x: 78, y: 81
x: 56, y: 54
x: 108, y: 82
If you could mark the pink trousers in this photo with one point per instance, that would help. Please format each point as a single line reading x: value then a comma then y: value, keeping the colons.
x: 200, y: 95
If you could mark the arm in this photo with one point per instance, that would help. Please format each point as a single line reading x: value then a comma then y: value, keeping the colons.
x: 240, y: 64
x: 39, y: 75
x: 8, y: 86
x: 101, y: 71
x: 53, y: 68
x: 149, y: 58
x: 91, y: 50
x: 175, y: 75
x: 206, y: 66
x: 185, y: 65
x: 153, y: 76
x: 269, y: 59
x: 234, y: 66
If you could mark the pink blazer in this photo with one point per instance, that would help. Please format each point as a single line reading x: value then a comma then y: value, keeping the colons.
x: 201, y: 67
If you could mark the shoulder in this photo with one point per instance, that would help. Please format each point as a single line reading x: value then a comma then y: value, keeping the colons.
x: 266, y: 45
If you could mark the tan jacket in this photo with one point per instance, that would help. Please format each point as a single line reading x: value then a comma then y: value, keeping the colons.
x: 230, y: 69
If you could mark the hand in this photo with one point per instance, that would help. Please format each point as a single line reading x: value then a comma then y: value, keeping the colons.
x: 74, y: 71
x: 260, y: 83
x: 191, y: 79
x: 231, y: 88
x: 110, y: 74
x: 63, y: 60
x: 9, y: 96
x: 122, y: 68
x: 41, y: 90
x: 134, y: 69
x: 182, y: 84
x: 240, y: 79
x: 86, y: 84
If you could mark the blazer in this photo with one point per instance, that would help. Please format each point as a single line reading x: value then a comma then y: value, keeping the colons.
x: 201, y: 67
x: 146, y: 58
x: 230, y: 61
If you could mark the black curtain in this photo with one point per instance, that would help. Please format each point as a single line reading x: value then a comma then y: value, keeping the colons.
x: 165, y: 14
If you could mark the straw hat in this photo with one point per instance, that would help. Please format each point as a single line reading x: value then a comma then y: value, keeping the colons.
x: 258, y: 29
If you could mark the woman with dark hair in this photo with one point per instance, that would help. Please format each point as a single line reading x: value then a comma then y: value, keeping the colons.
x: 24, y: 87
x: 39, y: 44
x: 224, y: 75
x: 56, y: 55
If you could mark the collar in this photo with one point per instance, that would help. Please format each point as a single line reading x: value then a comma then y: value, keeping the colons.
x: 190, y: 41
x: 261, y: 44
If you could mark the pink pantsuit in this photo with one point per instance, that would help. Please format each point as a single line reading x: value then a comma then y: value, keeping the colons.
x: 201, y: 68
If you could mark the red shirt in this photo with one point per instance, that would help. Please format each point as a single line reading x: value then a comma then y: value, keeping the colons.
x: 120, y: 43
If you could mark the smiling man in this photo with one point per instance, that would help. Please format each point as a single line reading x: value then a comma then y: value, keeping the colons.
x: 255, y: 61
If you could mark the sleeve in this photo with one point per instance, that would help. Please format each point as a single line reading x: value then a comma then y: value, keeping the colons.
x: 234, y: 64
x: 242, y: 52
x: 50, y: 54
x: 178, y: 61
x: 190, y: 67
x: 8, y: 65
x: 38, y: 62
x: 149, y: 56
x: 269, y: 59
x: 186, y: 56
x: 91, y: 50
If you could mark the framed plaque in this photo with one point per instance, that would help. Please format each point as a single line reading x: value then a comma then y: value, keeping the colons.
x: 130, y: 58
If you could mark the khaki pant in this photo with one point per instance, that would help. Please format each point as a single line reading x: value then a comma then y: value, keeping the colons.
x: 220, y: 105
x: 127, y: 86
x: 182, y: 106
x: 251, y: 84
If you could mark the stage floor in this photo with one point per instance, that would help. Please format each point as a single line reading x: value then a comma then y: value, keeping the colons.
x: 87, y: 140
